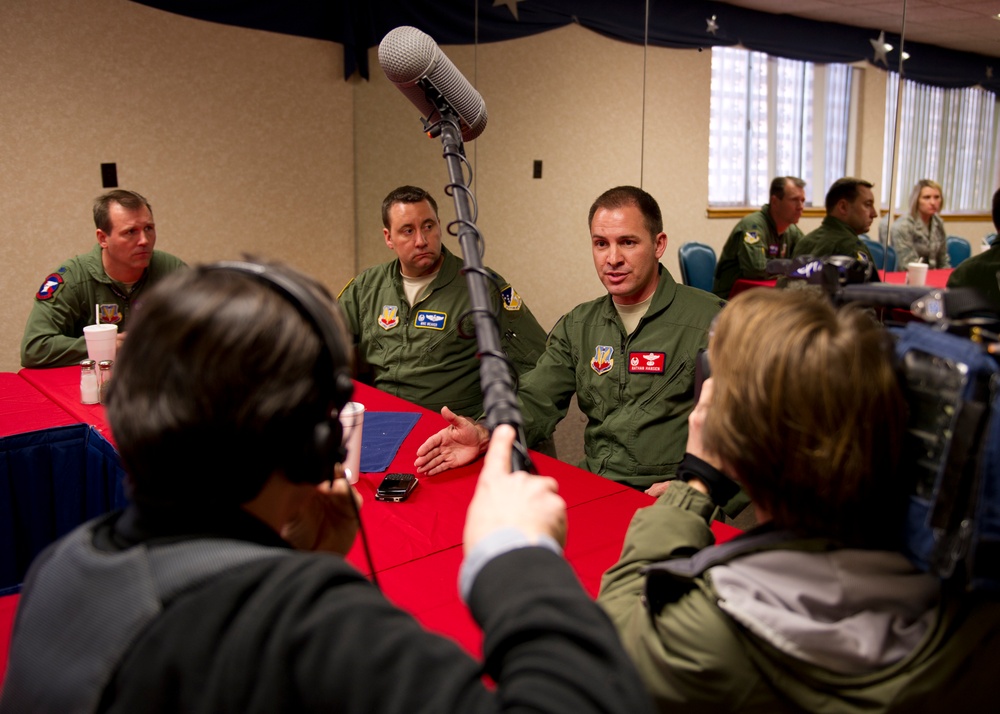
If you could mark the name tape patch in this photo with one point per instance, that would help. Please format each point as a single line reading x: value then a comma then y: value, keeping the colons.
x: 430, y: 320
x: 647, y: 362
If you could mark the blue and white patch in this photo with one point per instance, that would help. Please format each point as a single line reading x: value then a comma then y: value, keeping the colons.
x: 50, y: 286
x: 430, y: 319
x: 751, y: 238
x: 511, y: 300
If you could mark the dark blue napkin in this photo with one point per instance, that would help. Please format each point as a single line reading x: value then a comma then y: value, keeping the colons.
x: 381, y: 436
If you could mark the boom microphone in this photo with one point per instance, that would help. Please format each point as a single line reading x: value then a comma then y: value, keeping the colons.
x: 411, y: 59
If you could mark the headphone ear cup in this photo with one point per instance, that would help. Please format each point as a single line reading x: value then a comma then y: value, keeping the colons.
x: 329, y: 448
x: 343, y: 389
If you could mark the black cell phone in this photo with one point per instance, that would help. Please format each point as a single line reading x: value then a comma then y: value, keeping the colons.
x: 396, y: 487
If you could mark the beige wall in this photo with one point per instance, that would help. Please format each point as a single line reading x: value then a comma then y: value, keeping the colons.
x: 241, y: 140
x: 251, y: 141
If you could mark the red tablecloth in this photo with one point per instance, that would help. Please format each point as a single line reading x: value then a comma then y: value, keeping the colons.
x: 24, y: 408
x: 8, y: 606
x: 427, y: 587
x: 416, y: 545
x: 742, y: 285
x: 62, y: 386
x: 935, y: 278
x: 432, y: 518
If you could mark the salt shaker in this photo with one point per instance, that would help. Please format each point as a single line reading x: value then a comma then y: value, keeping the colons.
x: 89, y: 388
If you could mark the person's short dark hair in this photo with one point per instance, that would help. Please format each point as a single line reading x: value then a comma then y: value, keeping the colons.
x: 218, y: 386
x: 126, y: 199
x: 779, y: 182
x: 808, y: 414
x: 996, y: 210
x: 622, y: 196
x: 405, y: 194
x: 844, y: 188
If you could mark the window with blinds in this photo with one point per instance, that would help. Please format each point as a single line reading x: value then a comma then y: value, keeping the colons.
x: 947, y: 135
x: 776, y: 117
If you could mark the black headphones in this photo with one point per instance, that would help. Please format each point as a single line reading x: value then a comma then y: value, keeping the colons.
x: 326, y: 446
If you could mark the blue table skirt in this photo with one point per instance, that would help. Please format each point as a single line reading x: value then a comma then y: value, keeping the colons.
x: 50, y: 482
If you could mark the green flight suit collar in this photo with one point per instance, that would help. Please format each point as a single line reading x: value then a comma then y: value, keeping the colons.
x: 666, y: 289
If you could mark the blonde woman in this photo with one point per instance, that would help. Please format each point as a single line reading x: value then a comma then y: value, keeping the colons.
x: 920, y: 235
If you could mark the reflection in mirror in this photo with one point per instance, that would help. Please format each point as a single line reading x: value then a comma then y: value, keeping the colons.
x: 892, y: 138
x: 943, y: 157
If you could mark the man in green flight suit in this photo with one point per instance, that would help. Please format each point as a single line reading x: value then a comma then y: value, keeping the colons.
x: 113, y: 276
x: 850, y: 210
x: 763, y: 235
x: 629, y: 356
x: 409, y: 316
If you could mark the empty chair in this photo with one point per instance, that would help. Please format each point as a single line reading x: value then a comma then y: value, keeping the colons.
x: 697, y: 265
x: 958, y: 250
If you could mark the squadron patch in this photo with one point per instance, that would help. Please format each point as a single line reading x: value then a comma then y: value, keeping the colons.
x: 646, y: 362
x: 751, y: 238
x: 389, y: 317
x: 430, y: 320
x: 511, y: 300
x: 50, y: 286
x: 110, y: 314
x: 602, y: 361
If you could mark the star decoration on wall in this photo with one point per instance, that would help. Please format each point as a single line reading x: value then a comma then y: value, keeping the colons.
x: 510, y: 5
x: 711, y: 26
x: 880, y: 49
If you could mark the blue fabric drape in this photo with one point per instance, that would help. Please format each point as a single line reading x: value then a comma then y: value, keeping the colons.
x: 50, y: 482
x: 358, y: 26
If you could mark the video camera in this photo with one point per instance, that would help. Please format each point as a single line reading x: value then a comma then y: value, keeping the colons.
x: 951, y: 380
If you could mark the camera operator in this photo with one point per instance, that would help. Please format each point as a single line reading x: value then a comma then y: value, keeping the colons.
x: 816, y: 609
x: 197, y: 597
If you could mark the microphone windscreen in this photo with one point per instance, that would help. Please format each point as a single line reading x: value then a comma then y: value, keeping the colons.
x: 408, y: 55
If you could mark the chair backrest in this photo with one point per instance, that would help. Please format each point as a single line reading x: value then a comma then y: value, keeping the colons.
x: 884, y: 259
x: 958, y: 250
x: 697, y: 262
x: 875, y: 248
